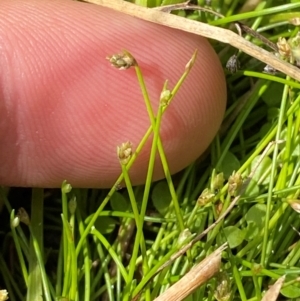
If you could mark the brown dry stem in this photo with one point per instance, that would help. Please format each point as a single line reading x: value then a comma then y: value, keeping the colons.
x: 202, y: 29
x: 197, y: 276
x: 273, y: 292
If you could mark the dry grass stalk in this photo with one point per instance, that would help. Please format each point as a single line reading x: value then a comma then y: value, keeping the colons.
x: 273, y: 292
x: 197, y: 276
x: 202, y: 29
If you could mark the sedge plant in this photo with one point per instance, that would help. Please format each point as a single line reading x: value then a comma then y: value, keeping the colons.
x: 133, y: 244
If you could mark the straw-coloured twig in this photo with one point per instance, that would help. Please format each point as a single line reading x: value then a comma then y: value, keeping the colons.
x: 273, y: 292
x: 197, y: 276
x: 202, y: 29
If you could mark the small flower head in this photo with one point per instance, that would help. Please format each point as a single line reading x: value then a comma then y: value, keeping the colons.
x: 294, y: 43
x: 191, y: 62
x: 206, y: 197
x: 235, y: 182
x: 66, y: 187
x: 23, y: 216
x: 122, y: 61
x: 295, y: 21
x: 124, y: 152
x: 284, y: 48
x: 218, y: 181
x: 3, y: 295
x: 15, y: 223
x: 184, y: 236
x: 223, y: 289
x: 165, y: 97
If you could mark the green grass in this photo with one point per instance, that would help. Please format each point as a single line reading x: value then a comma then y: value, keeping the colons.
x: 109, y: 245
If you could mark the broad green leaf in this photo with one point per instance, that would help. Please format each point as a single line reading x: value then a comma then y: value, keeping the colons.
x: 161, y: 197
x: 256, y: 214
x: 272, y: 97
x: 234, y: 235
x: 105, y: 225
x: 265, y: 129
x: 229, y: 164
x: 273, y: 113
x: 255, y: 219
x: 119, y: 203
x: 291, y: 291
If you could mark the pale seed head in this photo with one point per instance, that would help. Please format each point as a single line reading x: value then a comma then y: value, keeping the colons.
x: 124, y: 152
x: 122, y: 61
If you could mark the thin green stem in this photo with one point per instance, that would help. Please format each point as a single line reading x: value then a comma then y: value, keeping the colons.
x: 272, y: 179
x: 18, y: 247
x: 112, y: 253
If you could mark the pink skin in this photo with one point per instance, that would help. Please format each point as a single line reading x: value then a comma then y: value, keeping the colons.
x: 64, y: 109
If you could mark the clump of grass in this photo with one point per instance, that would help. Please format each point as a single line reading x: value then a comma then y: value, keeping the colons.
x: 136, y: 243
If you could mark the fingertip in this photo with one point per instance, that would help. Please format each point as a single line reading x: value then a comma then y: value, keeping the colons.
x: 67, y: 109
